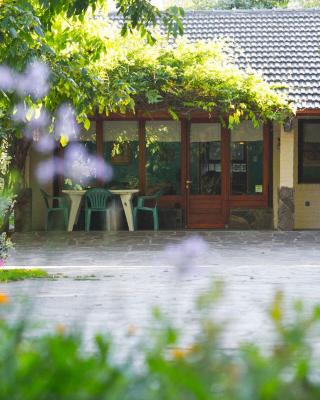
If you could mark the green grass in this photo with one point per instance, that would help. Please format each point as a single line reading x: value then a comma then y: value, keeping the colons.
x: 10, y: 275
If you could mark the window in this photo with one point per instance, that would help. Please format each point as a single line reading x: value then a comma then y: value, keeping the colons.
x: 121, y: 150
x: 309, y: 151
x: 247, y: 159
x: 163, y: 157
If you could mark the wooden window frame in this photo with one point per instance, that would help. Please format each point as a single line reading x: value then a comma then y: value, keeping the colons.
x: 255, y: 200
x: 301, y: 123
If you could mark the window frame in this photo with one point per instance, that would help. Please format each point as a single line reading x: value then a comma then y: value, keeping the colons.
x: 260, y: 200
x: 301, y: 124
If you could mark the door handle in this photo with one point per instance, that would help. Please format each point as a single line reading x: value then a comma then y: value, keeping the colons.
x: 188, y: 184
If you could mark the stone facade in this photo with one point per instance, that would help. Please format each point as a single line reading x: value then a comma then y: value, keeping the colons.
x: 286, y: 209
x: 251, y: 218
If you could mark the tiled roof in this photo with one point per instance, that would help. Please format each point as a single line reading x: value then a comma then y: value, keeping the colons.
x: 284, y: 45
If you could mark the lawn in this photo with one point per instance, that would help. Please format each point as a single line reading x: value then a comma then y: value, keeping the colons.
x: 9, y: 275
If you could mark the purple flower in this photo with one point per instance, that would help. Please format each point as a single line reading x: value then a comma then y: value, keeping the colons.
x: 34, y: 81
x: 81, y: 166
x: 20, y: 113
x: 46, y: 170
x: 66, y: 124
x: 36, y: 124
x: 100, y: 169
x: 2, y: 262
x: 45, y: 143
x: 8, y: 79
x: 185, y: 255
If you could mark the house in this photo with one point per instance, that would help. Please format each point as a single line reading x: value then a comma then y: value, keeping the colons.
x: 247, y: 178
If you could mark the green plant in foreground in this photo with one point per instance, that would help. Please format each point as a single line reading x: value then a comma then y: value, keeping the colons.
x: 7, y: 275
x: 54, y: 366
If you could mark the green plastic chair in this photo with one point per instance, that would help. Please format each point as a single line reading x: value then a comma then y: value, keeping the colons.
x: 96, y: 200
x: 60, y: 206
x: 141, y: 207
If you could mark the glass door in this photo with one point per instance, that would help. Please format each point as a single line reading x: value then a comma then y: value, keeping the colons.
x: 204, y: 176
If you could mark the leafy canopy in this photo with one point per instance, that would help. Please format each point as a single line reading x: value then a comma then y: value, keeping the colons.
x: 235, y: 4
x: 188, y: 77
x: 96, y: 69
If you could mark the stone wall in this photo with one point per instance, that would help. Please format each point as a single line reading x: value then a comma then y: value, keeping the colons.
x: 286, y: 209
x: 251, y: 218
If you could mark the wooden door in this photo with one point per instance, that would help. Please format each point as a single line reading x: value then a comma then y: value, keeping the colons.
x: 206, y: 175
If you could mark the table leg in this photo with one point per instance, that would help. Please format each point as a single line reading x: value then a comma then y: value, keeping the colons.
x: 126, y: 200
x: 74, y: 211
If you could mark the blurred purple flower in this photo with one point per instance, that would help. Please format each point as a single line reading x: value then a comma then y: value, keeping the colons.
x: 185, y: 255
x: 46, y: 170
x: 20, y: 113
x: 34, y: 81
x: 35, y: 125
x: 8, y: 79
x: 100, y: 169
x: 66, y: 124
x: 2, y: 262
x: 45, y: 144
x: 82, y: 166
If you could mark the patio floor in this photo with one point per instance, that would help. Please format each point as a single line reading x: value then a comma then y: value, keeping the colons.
x: 144, y: 248
x: 109, y: 281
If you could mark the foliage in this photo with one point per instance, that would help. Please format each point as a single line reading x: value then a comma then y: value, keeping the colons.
x: 238, y: 4
x: 10, y: 275
x: 230, y: 4
x: 95, y: 69
x: 305, y: 3
x: 287, y: 369
x: 140, y: 15
x: 192, y: 76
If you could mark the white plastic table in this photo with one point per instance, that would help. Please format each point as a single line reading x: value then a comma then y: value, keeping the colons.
x: 126, y: 200
x: 75, y: 197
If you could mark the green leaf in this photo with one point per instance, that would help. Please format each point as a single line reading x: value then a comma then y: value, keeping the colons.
x: 38, y: 30
x: 13, y: 33
x: 86, y: 124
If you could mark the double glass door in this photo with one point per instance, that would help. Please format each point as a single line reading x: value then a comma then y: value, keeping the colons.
x: 224, y: 169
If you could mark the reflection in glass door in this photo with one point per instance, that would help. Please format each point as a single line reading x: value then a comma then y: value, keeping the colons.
x: 203, y: 183
x: 205, y: 159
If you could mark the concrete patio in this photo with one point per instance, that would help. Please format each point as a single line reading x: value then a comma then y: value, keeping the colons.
x: 144, y: 248
x: 110, y: 281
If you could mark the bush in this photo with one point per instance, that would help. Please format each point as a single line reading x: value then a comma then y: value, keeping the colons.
x: 56, y: 367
